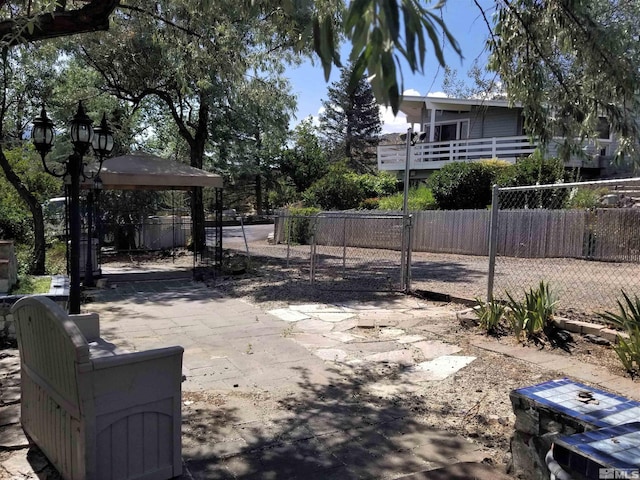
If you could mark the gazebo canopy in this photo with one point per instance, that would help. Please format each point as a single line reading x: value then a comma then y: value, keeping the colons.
x: 143, y: 171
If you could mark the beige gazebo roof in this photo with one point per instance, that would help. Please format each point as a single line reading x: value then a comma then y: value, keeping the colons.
x: 143, y: 171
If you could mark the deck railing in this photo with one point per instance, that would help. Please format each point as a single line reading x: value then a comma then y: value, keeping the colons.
x: 433, y: 156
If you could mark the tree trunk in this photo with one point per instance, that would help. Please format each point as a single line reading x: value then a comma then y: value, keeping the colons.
x: 37, y: 262
x: 197, y: 147
x: 258, y: 189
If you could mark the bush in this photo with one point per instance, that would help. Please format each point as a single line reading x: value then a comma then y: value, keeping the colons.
x: 337, y: 190
x: 533, y: 314
x: 370, y: 204
x: 420, y: 198
x: 461, y: 185
x: 628, y: 320
x: 489, y: 315
x: 298, y: 227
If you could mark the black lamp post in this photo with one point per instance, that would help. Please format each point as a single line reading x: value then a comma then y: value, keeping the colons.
x: 82, y: 137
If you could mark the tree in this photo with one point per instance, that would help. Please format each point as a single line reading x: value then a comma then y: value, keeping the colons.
x: 569, y: 64
x: 351, y: 122
x: 23, y: 71
x: 305, y: 162
x: 482, y: 86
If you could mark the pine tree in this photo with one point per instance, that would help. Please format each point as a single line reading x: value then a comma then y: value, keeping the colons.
x: 350, y: 123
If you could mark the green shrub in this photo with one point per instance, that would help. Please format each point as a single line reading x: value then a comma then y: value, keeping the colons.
x: 337, y: 190
x: 489, y: 314
x: 585, y: 197
x: 420, y: 198
x: 462, y: 185
x: 370, y: 203
x: 299, y: 225
x: 628, y: 320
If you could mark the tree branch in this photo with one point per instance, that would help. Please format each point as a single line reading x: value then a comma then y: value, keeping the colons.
x: 92, y: 17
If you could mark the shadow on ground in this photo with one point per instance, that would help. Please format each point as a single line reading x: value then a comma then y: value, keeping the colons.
x: 331, y: 430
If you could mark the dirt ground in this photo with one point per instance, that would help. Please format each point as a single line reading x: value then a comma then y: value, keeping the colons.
x: 473, y: 403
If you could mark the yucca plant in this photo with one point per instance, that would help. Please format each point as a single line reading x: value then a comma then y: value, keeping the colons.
x: 489, y: 314
x: 628, y: 320
x: 534, y: 313
x: 541, y: 305
x: 518, y: 316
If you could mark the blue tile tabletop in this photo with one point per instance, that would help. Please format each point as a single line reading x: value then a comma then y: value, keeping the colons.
x: 591, y: 405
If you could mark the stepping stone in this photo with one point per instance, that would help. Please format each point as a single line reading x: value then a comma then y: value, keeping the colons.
x: 288, y: 315
x: 13, y: 437
x: 331, y: 354
x: 376, y: 322
x: 345, y: 325
x: 460, y: 471
x: 10, y: 395
x: 319, y: 308
x: 9, y: 415
x: 313, y: 325
x: 343, y: 337
x: 434, y: 348
x: 409, y: 338
x: 392, y: 332
x: 404, y: 357
x: 311, y: 340
x: 439, y: 368
x: 334, y: 317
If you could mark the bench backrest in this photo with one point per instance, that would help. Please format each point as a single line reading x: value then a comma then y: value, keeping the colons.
x: 51, y: 347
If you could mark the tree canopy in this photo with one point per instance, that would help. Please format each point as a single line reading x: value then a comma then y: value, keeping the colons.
x: 569, y: 64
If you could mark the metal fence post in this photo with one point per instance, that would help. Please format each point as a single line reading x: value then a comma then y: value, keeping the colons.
x: 344, y: 247
x: 493, y: 240
x: 409, y: 249
x: 289, y: 222
x: 312, y: 269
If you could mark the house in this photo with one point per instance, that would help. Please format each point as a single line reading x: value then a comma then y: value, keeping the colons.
x: 461, y: 129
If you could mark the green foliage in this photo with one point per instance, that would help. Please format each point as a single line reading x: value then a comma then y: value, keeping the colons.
x: 56, y: 260
x: 420, y: 198
x: 535, y: 170
x: 461, y: 185
x: 305, y: 162
x: 376, y: 185
x: 29, y: 285
x: 627, y: 320
x: 299, y: 225
x: 370, y: 203
x: 337, y: 190
x: 585, y: 197
x: 489, y: 315
x: 16, y: 221
x: 350, y: 123
x: 533, y: 314
x: 569, y: 64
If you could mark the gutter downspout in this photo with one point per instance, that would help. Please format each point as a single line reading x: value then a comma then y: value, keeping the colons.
x: 555, y: 470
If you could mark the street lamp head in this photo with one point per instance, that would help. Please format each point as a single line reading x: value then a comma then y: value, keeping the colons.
x: 81, y: 130
x: 42, y: 133
x: 102, y: 139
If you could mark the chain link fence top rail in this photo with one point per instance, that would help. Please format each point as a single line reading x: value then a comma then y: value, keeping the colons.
x: 583, y: 239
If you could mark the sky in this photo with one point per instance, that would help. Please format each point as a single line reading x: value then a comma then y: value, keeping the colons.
x: 465, y: 22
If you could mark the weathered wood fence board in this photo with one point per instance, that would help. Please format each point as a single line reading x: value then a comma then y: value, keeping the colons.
x: 607, y: 234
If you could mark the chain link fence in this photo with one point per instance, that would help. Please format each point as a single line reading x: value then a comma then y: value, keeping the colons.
x: 583, y: 239
x: 359, y: 251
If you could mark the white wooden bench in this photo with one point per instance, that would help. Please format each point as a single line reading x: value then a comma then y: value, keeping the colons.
x: 96, y: 412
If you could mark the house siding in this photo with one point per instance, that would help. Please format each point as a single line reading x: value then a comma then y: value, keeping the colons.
x: 484, y: 122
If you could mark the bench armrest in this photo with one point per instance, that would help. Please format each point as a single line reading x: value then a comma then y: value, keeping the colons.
x: 131, y: 358
x: 88, y: 324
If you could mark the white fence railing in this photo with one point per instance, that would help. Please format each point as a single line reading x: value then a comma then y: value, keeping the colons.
x: 433, y: 156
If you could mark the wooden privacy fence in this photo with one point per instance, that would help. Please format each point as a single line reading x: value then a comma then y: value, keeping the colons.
x: 606, y: 234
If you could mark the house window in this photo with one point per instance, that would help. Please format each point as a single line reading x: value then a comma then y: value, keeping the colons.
x: 448, y: 131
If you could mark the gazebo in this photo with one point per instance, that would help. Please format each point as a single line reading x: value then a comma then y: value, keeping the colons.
x: 143, y: 171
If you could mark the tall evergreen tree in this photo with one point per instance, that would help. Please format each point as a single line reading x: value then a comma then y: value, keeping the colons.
x: 350, y: 123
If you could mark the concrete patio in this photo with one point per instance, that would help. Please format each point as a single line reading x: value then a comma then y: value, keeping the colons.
x: 290, y: 393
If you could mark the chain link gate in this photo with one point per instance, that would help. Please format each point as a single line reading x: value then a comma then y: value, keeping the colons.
x: 357, y: 251
x: 583, y: 239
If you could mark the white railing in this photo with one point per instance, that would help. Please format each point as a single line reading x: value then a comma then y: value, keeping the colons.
x: 435, y: 155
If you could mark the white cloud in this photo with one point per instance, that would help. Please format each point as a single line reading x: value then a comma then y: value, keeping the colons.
x: 391, y: 124
x: 412, y: 92
x: 438, y: 94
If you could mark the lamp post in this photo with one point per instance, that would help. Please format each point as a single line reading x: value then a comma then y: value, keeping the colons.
x: 82, y: 137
